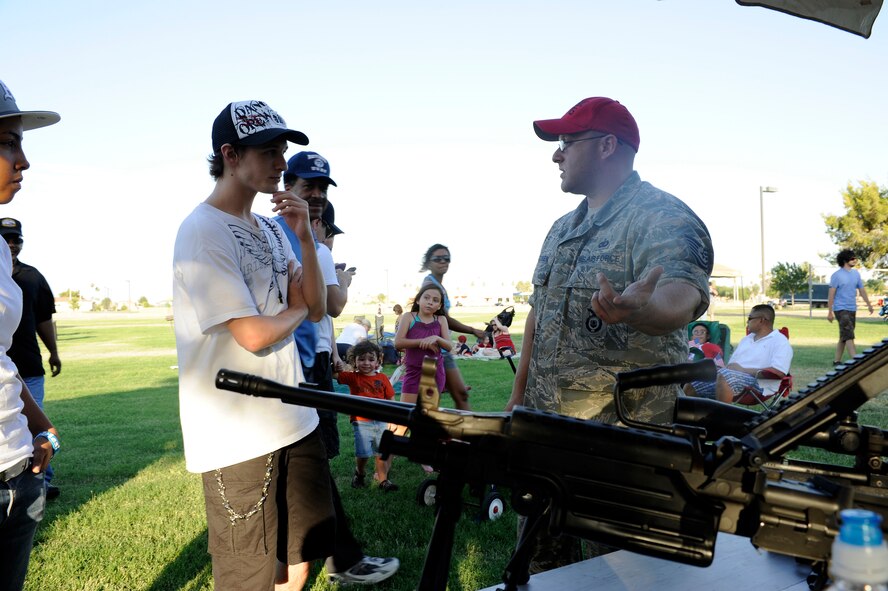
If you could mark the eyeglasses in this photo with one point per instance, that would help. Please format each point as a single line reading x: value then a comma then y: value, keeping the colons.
x: 440, y: 259
x: 563, y: 144
x: 751, y: 318
x: 14, y: 240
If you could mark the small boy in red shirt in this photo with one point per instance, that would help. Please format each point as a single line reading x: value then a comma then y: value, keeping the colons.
x: 365, y: 357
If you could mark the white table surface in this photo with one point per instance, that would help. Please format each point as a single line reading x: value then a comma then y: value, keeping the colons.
x: 737, y: 566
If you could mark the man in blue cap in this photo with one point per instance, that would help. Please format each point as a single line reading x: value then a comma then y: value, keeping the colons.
x: 308, y: 177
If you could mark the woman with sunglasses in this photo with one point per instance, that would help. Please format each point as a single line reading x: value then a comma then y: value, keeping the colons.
x: 437, y: 262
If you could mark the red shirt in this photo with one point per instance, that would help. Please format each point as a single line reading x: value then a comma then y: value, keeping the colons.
x: 375, y: 386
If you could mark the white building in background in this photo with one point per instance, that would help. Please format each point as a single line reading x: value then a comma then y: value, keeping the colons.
x: 475, y: 292
x: 486, y: 293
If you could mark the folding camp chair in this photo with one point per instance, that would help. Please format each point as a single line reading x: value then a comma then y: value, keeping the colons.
x: 750, y: 396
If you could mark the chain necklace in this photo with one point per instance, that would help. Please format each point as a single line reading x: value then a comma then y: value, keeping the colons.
x: 233, y: 515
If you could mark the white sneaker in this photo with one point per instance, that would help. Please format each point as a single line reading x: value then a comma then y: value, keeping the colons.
x: 367, y: 571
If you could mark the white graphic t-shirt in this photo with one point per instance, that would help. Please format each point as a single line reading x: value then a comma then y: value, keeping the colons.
x: 225, y: 268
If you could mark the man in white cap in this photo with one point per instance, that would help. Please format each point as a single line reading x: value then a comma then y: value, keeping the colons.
x: 238, y: 294
x: 29, y: 440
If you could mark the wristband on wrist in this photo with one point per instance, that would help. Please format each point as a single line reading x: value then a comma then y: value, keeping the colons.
x: 53, y: 440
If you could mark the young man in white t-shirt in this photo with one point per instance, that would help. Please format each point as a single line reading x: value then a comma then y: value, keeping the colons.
x: 237, y: 297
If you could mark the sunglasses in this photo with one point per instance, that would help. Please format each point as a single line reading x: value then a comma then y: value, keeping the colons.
x: 751, y: 318
x: 440, y: 259
x: 14, y: 240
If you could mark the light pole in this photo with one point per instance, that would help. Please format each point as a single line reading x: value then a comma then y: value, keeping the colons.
x: 762, y: 191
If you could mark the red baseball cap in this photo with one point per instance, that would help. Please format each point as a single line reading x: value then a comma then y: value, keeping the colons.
x: 595, y: 113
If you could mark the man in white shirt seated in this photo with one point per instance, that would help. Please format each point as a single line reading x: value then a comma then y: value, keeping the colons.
x: 764, y: 348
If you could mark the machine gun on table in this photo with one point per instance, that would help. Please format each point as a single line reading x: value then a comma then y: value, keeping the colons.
x: 664, y: 491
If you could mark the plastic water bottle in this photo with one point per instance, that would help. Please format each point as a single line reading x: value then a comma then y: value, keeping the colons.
x: 859, y: 554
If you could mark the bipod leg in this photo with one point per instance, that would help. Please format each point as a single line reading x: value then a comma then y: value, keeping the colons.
x: 517, y: 571
x: 436, y: 568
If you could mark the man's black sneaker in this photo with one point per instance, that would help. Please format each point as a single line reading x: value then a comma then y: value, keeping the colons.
x: 358, y: 480
x: 52, y: 492
x: 367, y: 571
x: 388, y: 486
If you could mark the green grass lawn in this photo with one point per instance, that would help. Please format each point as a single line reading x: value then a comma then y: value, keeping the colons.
x: 131, y: 517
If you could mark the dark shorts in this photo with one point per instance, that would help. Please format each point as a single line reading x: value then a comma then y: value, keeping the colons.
x: 298, y: 506
x: 847, y: 320
x: 306, y: 523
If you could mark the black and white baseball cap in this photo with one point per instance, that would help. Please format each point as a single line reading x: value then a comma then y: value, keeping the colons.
x: 251, y: 123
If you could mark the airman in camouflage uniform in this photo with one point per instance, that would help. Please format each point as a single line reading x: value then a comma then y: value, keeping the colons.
x: 575, y: 353
x: 617, y: 281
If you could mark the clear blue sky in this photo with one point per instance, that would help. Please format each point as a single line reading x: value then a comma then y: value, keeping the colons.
x: 425, y: 115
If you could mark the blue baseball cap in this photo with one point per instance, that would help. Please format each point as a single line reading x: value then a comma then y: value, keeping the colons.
x: 308, y: 165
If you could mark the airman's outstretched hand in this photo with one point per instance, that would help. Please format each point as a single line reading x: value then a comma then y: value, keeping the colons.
x: 615, y: 308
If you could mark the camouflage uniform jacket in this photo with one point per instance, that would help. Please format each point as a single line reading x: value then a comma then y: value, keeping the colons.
x: 575, y: 354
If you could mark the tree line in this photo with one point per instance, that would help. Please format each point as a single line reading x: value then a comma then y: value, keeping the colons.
x: 863, y: 228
